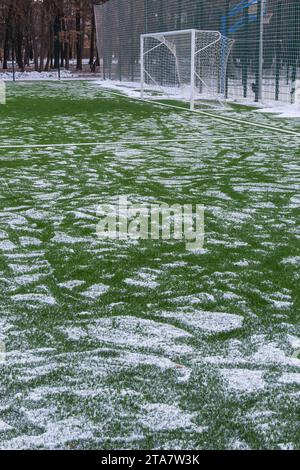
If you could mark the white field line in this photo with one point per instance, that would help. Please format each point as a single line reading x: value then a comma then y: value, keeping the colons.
x: 183, y: 139
x: 214, y: 116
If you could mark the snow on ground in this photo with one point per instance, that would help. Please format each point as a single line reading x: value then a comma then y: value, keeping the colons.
x: 282, y: 110
x: 243, y: 380
x: 160, y: 417
x: 36, y: 76
x: 132, y: 90
x: 115, y: 344
x: 208, y: 322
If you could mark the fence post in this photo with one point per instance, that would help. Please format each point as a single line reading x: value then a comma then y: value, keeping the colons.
x: 278, y: 49
x: 225, y: 31
x: 260, y: 49
x: 226, y: 34
x: 142, y: 66
x: 245, y: 49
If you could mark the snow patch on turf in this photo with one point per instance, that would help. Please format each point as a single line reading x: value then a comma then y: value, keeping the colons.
x: 208, y: 322
x: 202, y: 297
x: 159, y: 417
x: 57, y: 434
x: 282, y: 110
x: 70, y: 285
x: 243, y: 380
x: 63, y: 238
x: 294, y: 341
x: 292, y: 260
x: 144, y: 278
x: 7, y: 245
x: 29, y: 241
x: 135, y: 333
x: 34, y: 298
x: 28, y: 279
x: 263, y: 353
x: 95, y: 291
x: 19, y: 268
x: 4, y: 427
x: 290, y: 378
x: 140, y: 333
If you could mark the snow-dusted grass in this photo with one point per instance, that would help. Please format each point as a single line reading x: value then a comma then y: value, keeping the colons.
x: 122, y: 344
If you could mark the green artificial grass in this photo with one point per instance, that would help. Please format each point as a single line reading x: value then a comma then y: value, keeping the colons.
x: 126, y: 368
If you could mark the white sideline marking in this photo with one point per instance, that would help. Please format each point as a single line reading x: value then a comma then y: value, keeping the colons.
x: 136, y: 142
x: 215, y: 116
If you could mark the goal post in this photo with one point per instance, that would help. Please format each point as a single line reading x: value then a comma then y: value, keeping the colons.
x: 187, y: 64
x: 142, y: 66
x: 193, y: 53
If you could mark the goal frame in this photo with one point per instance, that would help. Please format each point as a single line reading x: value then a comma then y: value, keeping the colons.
x: 194, y: 53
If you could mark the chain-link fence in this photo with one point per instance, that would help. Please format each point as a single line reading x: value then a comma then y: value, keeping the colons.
x: 263, y: 64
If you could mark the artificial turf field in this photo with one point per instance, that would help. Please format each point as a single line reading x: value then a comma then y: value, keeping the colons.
x: 143, y: 344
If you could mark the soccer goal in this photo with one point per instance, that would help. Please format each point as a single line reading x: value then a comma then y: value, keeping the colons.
x: 189, y: 64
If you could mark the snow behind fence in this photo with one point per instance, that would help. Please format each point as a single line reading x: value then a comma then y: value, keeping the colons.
x: 264, y: 62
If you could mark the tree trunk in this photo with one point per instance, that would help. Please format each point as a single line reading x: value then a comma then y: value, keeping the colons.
x: 79, y: 39
x: 42, y: 48
x: 56, y: 29
x: 19, y: 46
x: 6, y: 47
x: 92, y: 45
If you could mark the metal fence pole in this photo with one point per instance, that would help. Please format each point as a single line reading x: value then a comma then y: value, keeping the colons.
x: 142, y: 67
x: 260, y: 50
x: 278, y: 49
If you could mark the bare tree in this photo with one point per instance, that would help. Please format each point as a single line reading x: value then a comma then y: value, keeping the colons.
x: 47, y: 34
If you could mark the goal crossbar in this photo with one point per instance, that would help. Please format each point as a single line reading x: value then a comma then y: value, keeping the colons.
x: 177, y: 32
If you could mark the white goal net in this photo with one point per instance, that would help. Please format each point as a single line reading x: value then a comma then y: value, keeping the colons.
x: 189, y: 64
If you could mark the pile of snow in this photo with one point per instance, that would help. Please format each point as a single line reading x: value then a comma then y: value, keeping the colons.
x: 283, y: 110
x: 132, y: 90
